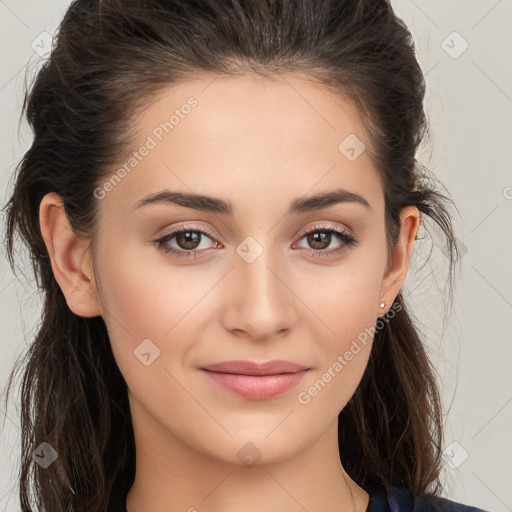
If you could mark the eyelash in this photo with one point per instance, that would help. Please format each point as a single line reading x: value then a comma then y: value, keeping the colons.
x: 347, y: 239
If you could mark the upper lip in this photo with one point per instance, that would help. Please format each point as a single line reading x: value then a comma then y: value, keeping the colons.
x: 252, y: 368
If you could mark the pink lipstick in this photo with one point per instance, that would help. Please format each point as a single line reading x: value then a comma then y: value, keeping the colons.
x: 256, y: 381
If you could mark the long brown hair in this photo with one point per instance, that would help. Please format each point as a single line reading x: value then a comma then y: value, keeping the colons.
x: 108, y: 60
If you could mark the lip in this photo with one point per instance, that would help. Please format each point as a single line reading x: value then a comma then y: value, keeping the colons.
x: 253, y: 368
x: 256, y: 381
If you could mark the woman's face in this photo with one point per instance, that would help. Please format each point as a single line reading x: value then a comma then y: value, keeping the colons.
x: 247, y: 154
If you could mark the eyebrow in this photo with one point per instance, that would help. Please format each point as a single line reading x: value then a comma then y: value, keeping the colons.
x: 216, y: 205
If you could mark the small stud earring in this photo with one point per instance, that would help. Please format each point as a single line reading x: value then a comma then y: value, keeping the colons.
x: 383, y: 305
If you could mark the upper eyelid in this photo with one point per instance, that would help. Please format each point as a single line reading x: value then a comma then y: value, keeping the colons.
x: 325, y: 225
x: 173, y: 231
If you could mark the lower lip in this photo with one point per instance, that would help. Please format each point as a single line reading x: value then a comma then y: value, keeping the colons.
x: 256, y: 387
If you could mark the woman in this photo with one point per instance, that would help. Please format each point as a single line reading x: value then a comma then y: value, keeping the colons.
x: 221, y: 202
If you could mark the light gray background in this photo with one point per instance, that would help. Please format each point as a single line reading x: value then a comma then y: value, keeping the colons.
x: 469, y: 104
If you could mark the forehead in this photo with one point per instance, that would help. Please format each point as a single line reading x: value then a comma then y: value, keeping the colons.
x: 245, y: 135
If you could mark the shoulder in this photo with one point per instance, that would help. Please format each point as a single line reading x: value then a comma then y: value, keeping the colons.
x: 399, y: 499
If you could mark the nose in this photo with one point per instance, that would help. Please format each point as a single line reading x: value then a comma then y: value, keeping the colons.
x: 260, y: 302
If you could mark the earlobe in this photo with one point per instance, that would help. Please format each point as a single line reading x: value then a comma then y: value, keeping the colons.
x: 69, y: 256
x: 398, y: 265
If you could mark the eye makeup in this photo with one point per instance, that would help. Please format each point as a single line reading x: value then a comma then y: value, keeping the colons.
x: 323, y: 232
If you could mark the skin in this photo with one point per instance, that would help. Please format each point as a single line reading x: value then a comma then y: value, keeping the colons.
x: 258, y: 144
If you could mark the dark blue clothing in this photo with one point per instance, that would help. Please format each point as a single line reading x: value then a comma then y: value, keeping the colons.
x: 400, y: 500
x: 395, y: 500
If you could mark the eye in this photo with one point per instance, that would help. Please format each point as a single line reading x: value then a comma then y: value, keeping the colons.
x: 320, y: 238
x: 189, y: 238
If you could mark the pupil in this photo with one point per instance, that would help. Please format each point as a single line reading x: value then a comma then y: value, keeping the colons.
x: 320, y: 237
x: 189, y: 240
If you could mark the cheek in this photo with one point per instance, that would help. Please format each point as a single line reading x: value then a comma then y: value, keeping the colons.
x: 346, y: 302
x: 344, y: 298
x: 139, y: 303
x: 144, y: 298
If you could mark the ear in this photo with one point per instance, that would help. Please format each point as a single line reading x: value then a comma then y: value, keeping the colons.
x: 70, y: 258
x: 400, y: 258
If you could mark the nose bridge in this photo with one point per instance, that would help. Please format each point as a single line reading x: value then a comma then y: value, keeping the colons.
x: 262, y: 304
